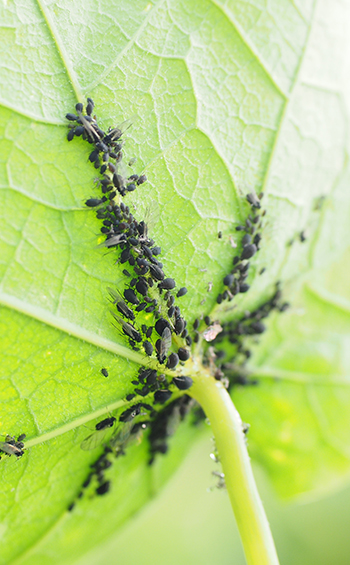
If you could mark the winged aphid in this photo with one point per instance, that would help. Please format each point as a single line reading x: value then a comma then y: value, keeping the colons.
x: 118, y: 300
x: 128, y: 329
x: 96, y: 438
x: 11, y: 446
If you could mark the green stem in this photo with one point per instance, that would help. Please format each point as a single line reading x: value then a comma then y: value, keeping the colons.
x: 226, y: 424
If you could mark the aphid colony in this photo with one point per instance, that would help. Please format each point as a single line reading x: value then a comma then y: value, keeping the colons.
x: 235, y: 280
x: 228, y: 363
x: 148, y: 290
x: 148, y: 295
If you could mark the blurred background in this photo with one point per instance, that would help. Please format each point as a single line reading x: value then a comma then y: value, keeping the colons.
x: 191, y: 523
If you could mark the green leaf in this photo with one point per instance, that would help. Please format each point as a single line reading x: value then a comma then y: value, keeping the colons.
x: 230, y: 97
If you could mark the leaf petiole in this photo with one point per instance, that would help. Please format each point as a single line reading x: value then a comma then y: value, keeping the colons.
x: 227, y: 427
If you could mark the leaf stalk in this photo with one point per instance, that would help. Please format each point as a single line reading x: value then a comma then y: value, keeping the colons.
x: 226, y: 423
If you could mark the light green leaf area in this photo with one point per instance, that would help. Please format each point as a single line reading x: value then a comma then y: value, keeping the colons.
x: 229, y: 97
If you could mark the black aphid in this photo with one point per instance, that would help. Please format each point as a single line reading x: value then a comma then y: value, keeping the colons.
x: 130, y: 296
x: 107, y: 423
x: 173, y: 360
x: 160, y: 325
x: 167, y: 284
x: 162, y: 396
x: 253, y: 200
x: 93, y: 202
x: 248, y: 251
x: 104, y: 372
x: 183, y: 383
x: 104, y: 488
x: 183, y: 354
x: 182, y: 292
x: 179, y: 326
x: 148, y: 347
x: 228, y: 280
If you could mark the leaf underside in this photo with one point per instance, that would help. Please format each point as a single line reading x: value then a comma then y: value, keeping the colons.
x: 230, y: 97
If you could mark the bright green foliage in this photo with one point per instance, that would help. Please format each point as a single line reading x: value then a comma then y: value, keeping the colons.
x: 230, y: 97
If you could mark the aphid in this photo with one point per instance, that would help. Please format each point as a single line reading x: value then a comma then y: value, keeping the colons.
x: 116, y: 133
x: 106, y: 423
x: 156, y: 272
x: 131, y: 187
x: 130, y: 296
x: 171, y: 311
x: 141, y: 179
x: 179, y: 326
x: 182, y: 292
x: 130, y: 413
x: 93, y: 202
x: 302, y: 236
x: 122, y: 437
x: 149, y: 332
x: 183, y: 354
x: 132, y: 161
x: 258, y: 327
x: 160, y: 325
x: 244, y: 287
x: 228, y: 280
x: 71, y: 134
x: 79, y: 107
x: 104, y: 372
x: 167, y: 284
x: 220, y: 234
x: 156, y: 251
x: 11, y: 447
x: 148, y: 347
x: 207, y: 320
x: 183, y: 383
x: 71, y: 117
x: 130, y: 396
x: 253, y: 200
x: 189, y: 340
x: 95, y: 439
x: 21, y: 437
x: 104, y: 488
x: 89, y: 106
x: 142, y: 286
x: 163, y: 345
x: 173, y: 360
x: 196, y: 324
x: 120, y: 304
x: 248, y: 251
x: 161, y: 396
x: 247, y: 238
x: 151, y: 378
x: 128, y: 328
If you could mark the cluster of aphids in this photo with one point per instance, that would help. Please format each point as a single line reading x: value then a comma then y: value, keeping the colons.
x: 230, y: 361
x: 235, y: 280
x: 228, y: 364
x: 148, y: 289
x: 13, y: 446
